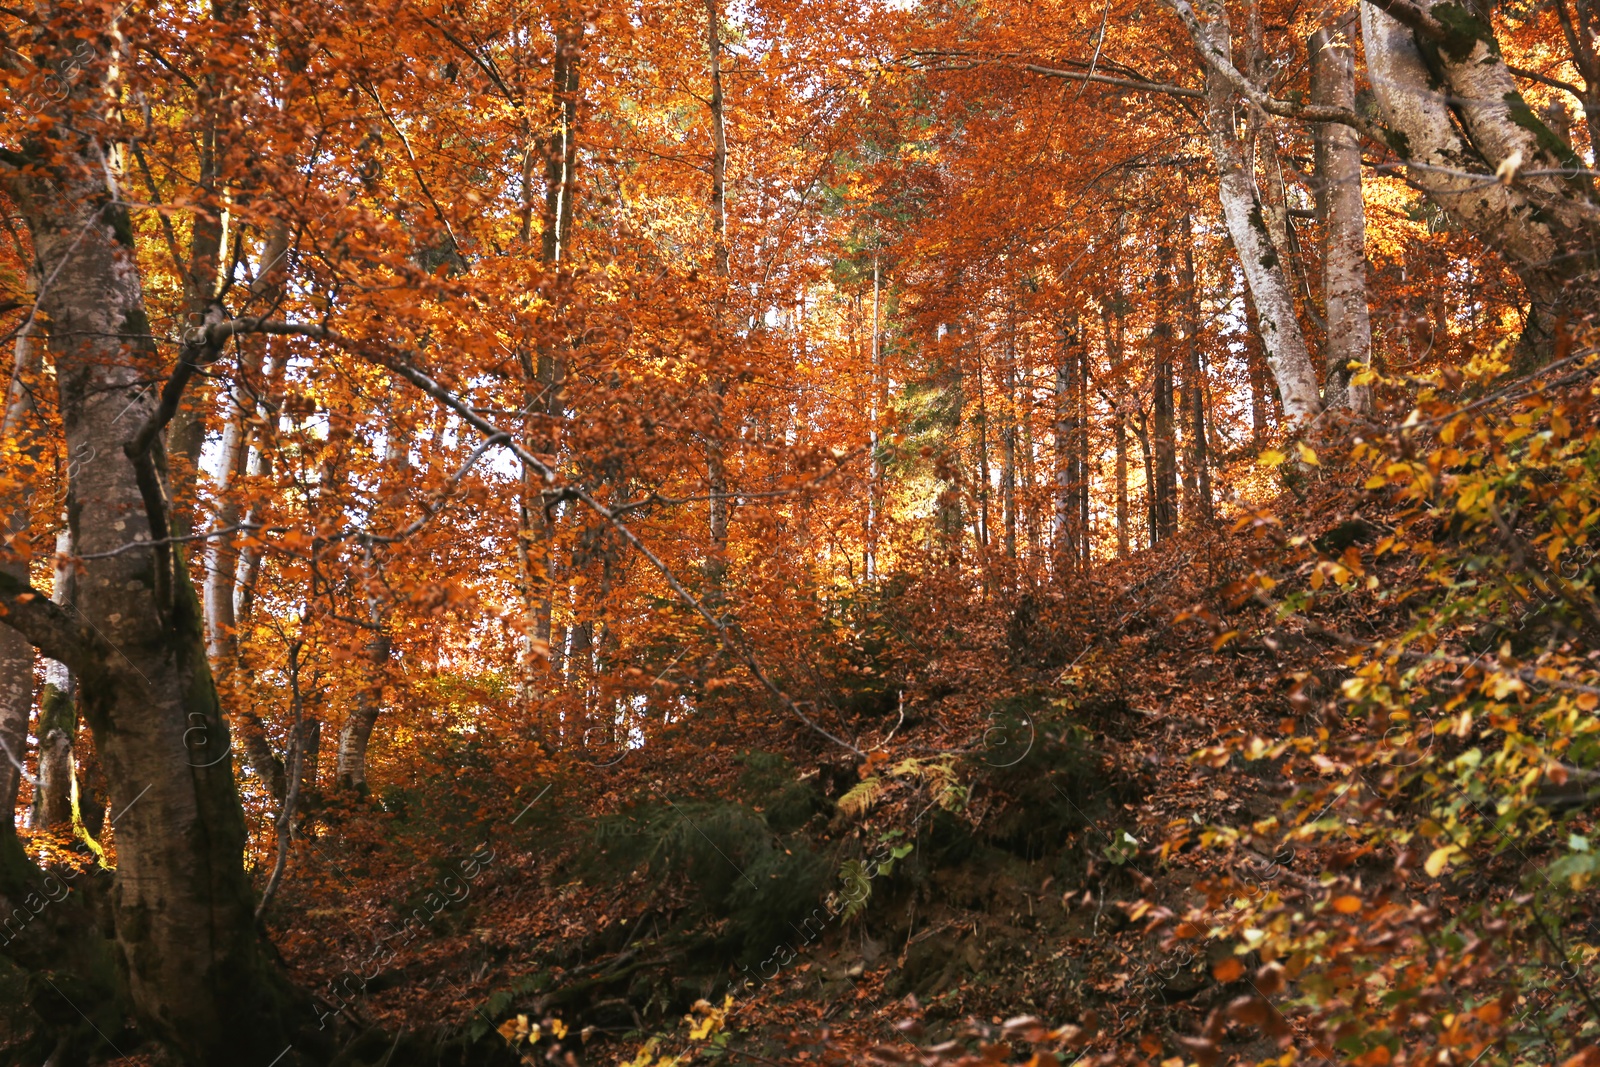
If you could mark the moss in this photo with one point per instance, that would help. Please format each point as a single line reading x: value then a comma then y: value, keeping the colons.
x: 1523, y: 116
x: 1463, y: 31
x: 136, y: 328
x: 121, y: 224
x: 1259, y: 222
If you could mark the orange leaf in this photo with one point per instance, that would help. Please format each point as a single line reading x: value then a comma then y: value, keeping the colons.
x: 1227, y: 970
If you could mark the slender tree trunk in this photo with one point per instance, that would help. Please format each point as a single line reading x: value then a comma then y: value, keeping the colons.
x: 983, y: 457
x: 16, y: 653
x: 1111, y: 320
x: 351, y: 772
x: 536, y: 535
x: 1071, y: 482
x: 58, y: 711
x: 244, y: 723
x: 259, y: 465
x: 1008, y: 469
x: 187, y: 432
x: 1243, y: 212
x: 1142, y: 427
x: 1164, y: 492
x: 222, y: 556
x: 1261, y: 391
x: 223, y: 559
x: 875, y: 485
x: 716, y: 462
x: 1197, y: 461
x: 1120, y: 428
x: 1086, y: 531
x: 1030, y: 478
x: 1339, y: 203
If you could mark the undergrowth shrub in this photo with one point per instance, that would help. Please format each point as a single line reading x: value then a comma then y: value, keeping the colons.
x: 725, y: 860
x: 1446, y: 795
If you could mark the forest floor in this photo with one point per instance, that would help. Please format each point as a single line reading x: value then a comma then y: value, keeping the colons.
x: 1076, y: 811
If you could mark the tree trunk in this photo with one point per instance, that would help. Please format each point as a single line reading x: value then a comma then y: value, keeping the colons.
x: 225, y: 565
x: 1285, y: 345
x: 983, y: 461
x: 546, y: 373
x: 357, y: 732
x: 16, y: 653
x: 351, y: 772
x: 1120, y: 428
x: 222, y: 556
x: 1197, y: 461
x: 1339, y: 203
x: 1008, y: 468
x: 58, y: 712
x: 1164, y: 491
x: 716, y: 569
x: 1262, y: 395
x: 1453, y: 110
x: 194, y: 964
x: 1069, y: 450
x: 879, y: 404
x: 1142, y: 428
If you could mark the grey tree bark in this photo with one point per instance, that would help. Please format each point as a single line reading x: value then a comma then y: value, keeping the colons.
x: 536, y: 540
x: 1344, y: 218
x: 1286, y: 351
x: 223, y: 563
x: 1164, y: 489
x: 1455, y: 114
x: 58, y: 711
x: 716, y: 461
x: 195, y: 968
x: 16, y: 654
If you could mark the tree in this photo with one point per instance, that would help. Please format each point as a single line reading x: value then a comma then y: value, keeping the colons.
x: 136, y: 640
x: 1344, y: 219
x: 1539, y: 212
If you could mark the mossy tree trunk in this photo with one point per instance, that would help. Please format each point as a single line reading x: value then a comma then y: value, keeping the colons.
x: 196, y: 971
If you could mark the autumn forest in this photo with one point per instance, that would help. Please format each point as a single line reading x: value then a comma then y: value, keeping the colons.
x: 929, y: 532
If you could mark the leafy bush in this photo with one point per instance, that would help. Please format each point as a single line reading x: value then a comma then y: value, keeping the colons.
x: 725, y: 857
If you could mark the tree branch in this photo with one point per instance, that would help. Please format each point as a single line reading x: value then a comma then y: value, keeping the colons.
x: 1223, y: 67
x: 1090, y: 75
x: 1545, y: 79
x: 1415, y: 18
x: 1106, y: 79
x: 469, y: 414
x: 49, y: 628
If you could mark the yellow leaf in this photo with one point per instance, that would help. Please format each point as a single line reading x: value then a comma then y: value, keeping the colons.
x: 1271, y: 458
x: 1439, y: 859
x: 1308, y: 457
